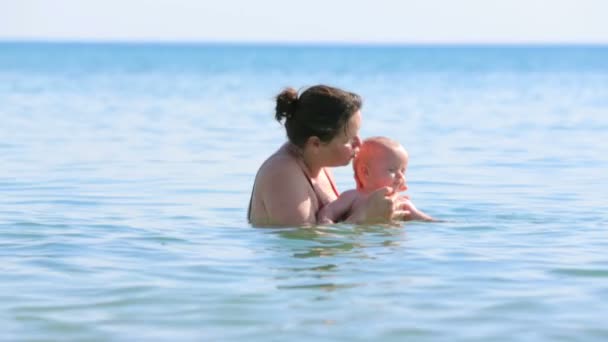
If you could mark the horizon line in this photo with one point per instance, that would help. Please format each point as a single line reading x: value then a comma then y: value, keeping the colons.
x: 277, y: 43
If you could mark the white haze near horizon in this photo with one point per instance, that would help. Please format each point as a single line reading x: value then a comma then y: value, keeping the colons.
x: 310, y: 21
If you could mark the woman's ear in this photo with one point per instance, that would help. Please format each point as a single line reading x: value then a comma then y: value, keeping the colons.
x: 314, y: 143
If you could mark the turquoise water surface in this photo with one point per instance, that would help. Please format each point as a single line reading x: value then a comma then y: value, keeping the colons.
x: 126, y: 173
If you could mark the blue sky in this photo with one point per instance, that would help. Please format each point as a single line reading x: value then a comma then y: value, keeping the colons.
x: 316, y: 21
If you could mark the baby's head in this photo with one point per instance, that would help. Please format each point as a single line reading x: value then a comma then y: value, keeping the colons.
x: 380, y: 162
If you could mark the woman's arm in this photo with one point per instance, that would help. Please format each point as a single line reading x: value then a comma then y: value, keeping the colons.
x: 334, y: 211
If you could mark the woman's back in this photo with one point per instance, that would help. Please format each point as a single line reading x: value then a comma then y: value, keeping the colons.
x: 285, y: 194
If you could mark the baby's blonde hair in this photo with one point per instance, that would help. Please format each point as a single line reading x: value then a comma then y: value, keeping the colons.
x: 369, y: 149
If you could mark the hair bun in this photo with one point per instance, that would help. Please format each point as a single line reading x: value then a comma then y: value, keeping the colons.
x: 287, y: 102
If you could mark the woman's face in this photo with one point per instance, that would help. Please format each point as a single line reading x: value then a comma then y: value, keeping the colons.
x: 343, y: 147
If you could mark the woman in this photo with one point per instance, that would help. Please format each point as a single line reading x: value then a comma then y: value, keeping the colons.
x: 294, y: 183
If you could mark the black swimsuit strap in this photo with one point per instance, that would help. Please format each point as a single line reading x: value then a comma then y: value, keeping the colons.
x: 300, y: 162
x: 321, y: 205
x: 302, y: 167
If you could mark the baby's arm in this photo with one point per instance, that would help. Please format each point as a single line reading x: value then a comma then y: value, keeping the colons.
x: 415, y: 213
x: 337, y: 209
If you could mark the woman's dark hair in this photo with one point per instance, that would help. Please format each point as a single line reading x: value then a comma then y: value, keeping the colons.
x: 320, y: 111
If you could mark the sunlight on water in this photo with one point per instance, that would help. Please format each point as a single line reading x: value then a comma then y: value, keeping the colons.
x: 126, y: 173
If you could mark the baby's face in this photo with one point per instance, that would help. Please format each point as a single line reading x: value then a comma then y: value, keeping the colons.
x: 387, y: 168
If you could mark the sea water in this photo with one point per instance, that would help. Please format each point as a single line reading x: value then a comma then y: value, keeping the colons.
x: 126, y: 171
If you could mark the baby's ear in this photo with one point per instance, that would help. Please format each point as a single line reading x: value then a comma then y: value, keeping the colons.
x: 361, y: 173
x: 365, y: 169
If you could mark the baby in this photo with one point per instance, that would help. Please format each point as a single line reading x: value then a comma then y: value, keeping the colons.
x: 380, y: 163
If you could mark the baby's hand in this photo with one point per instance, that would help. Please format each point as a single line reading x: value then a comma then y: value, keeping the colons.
x: 410, y: 211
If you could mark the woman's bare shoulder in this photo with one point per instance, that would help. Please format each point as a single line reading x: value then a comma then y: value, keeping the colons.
x: 280, y: 164
x: 282, y: 189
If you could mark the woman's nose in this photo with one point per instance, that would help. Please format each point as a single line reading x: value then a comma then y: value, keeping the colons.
x: 356, y: 142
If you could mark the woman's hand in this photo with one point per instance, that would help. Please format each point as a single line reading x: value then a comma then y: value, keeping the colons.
x: 380, y: 206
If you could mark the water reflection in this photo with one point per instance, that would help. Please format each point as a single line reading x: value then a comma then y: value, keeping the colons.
x: 325, y: 241
x: 328, y: 258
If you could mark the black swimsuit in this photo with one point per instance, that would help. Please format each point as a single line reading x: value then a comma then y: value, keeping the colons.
x: 321, y: 204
